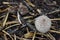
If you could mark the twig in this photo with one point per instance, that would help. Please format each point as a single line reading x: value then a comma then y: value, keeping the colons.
x: 54, y: 31
x: 30, y: 3
x: 18, y: 17
x: 4, y: 22
x: 2, y: 16
x: 10, y: 3
x: 11, y: 22
x: 11, y: 26
x: 27, y: 17
x: 14, y: 37
x: 55, y: 19
x: 7, y: 34
x: 5, y: 37
x: 27, y: 29
x: 50, y: 36
x: 53, y: 11
x: 34, y: 35
x: 5, y: 9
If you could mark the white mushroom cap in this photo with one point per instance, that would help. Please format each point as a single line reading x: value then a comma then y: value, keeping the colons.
x: 43, y: 23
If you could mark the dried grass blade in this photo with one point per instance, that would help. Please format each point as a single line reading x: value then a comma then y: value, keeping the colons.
x: 5, y: 37
x: 12, y: 22
x: 30, y: 3
x: 5, y: 19
x: 50, y: 36
x: 54, y: 11
x: 34, y: 35
x: 7, y: 34
x: 55, y: 19
x: 14, y: 37
x: 11, y: 26
x: 53, y: 31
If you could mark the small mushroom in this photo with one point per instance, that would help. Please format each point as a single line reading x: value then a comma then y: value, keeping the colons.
x: 43, y: 23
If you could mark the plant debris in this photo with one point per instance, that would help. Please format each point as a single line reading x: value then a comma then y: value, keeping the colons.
x: 17, y: 19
